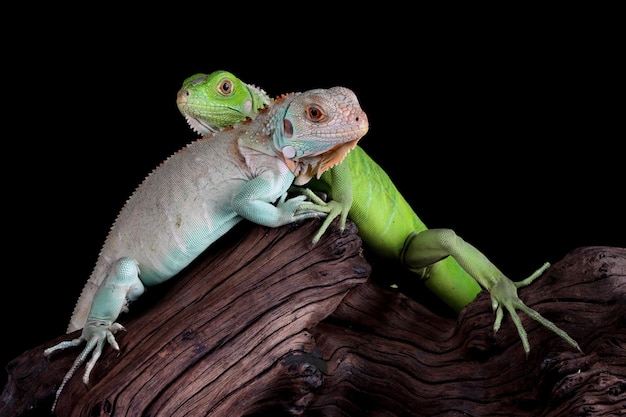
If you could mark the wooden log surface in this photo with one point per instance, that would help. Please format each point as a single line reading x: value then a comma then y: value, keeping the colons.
x: 393, y: 357
x: 265, y: 324
x: 206, y: 342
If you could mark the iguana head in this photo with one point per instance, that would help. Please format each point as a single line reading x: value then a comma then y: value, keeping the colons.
x: 210, y: 102
x: 316, y: 132
x: 319, y: 127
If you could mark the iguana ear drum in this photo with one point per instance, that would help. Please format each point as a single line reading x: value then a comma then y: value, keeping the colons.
x: 287, y: 128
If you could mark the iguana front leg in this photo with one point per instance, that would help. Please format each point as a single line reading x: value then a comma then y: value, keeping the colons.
x: 121, y: 286
x: 340, y: 192
x: 423, y: 249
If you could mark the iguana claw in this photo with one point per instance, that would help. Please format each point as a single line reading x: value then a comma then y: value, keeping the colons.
x: 428, y: 247
x: 95, y: 335
x: 333, y: 209
x: 504, y: 295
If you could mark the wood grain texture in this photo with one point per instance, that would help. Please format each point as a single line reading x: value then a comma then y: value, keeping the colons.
x: 392, y: 357
x: 264, y: 324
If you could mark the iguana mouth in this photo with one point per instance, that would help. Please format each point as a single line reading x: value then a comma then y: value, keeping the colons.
x: 305, y: 168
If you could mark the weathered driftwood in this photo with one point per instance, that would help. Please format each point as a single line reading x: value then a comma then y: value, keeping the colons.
x: 262, y: 325
x: 211, y: 341
x: 392, y: 357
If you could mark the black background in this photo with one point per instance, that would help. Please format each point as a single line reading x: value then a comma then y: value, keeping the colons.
x: 506, y: 126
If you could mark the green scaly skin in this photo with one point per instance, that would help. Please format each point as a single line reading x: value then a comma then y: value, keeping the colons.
x: 361, y: 190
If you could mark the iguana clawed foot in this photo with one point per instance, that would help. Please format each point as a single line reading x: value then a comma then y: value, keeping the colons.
x: 504, y: 296
x: 426, y: 248
x: 94, y: 333
x: 332, y: 208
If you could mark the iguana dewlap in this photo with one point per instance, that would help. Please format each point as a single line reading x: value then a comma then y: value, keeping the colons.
x: 202, y: 191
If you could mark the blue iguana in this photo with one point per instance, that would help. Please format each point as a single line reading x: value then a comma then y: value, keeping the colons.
x: 361, y: 190
x: 202, y: 191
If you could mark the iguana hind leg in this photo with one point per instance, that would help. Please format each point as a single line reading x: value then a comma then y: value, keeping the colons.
x: 504, y: 295
x: 94, y: 346
x: 430, y: 246
x: 121, y: 285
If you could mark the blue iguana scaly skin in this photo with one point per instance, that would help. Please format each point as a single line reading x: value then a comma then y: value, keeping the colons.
x: 360, y: 189
x: 201, y: 192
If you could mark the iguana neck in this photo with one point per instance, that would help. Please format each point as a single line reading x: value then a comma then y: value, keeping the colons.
x: 270, y: 140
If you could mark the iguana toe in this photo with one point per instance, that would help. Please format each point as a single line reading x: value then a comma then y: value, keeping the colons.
x: 504, y: 296
x: 333, y: 210
x: 95, y: 335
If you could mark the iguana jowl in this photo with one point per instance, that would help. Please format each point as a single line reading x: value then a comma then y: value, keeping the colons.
x: 201, y: 192
x: 361, y: 190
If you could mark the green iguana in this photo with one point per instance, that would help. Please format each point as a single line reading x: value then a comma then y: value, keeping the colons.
x: 200, y: 192
x: 359, y: 189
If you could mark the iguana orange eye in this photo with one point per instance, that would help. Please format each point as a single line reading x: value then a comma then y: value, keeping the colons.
x: 315, y: 113
x: 225, y: 87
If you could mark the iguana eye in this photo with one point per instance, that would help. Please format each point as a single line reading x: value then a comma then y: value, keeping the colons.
x: 315, y: 113
x: 225, y: 87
